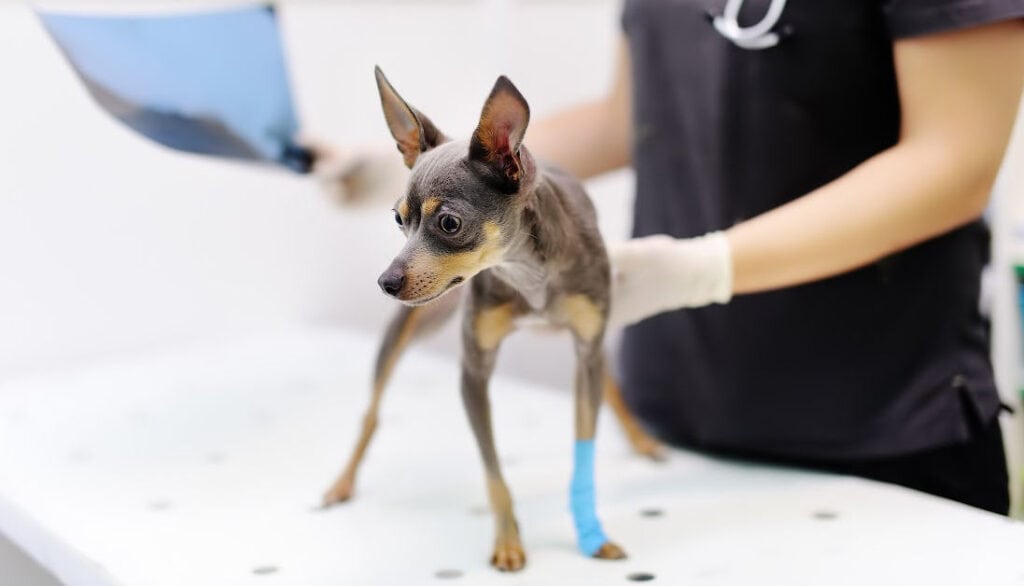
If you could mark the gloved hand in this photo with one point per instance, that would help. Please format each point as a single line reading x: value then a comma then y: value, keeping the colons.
x: 660, y: 273
x: 367, y: 175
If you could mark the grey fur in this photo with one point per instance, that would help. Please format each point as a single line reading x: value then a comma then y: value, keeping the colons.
x: 551, y: 253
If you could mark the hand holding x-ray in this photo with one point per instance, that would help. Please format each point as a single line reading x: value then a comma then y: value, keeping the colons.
x: 365, y: 175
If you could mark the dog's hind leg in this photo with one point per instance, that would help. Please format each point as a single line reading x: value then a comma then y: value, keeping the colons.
x: 409, y: 324
x: 640, y: 440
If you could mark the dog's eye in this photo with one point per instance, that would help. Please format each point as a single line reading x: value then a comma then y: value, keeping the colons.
x: 449, y: 223
x: 398, y: 218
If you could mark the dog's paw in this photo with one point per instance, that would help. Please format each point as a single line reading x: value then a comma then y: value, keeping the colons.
x: 610, y: 551
x: 341, y: 492
x: 508, y: 556
x: 648, y: 447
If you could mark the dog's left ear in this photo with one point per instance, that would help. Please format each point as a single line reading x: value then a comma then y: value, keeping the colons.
x: 499, y: 135
x: 413, y: 132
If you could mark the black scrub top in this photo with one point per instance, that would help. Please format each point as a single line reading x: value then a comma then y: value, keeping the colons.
x: 885, y: 360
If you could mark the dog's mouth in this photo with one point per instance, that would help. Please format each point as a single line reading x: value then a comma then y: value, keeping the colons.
x: 425, y: 300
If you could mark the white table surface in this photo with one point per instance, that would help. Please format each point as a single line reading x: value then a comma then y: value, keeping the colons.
x: 205, y: 467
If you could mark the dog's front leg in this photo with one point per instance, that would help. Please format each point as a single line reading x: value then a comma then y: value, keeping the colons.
x: 399, y: 333
x: 483, y: 331
x: 408, y: 324
x: 587, y: 323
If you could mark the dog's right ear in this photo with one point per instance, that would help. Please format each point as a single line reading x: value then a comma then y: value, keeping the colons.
x: 499, y: 135
x: 414, y: 132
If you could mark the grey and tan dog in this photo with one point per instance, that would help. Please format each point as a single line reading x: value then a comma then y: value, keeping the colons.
x: 524, y: 237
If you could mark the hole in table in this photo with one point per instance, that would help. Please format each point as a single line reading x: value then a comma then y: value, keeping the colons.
x: 825, y: 515
x: 448, y: 574
x: 640, y: 577
x: 160, y: 505
x: 652, y: 512
x: 264, y: 570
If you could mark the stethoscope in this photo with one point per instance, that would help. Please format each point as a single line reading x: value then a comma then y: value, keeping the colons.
x: 758, y: 36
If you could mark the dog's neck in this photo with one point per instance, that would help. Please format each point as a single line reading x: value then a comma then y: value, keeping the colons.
x: 525, y: 271
x: 528, y: 264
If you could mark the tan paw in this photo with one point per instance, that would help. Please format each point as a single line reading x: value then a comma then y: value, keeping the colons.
x: 648, y: 447
x: 509, y: 556
x: 610, y: 551
x: 341, y: 492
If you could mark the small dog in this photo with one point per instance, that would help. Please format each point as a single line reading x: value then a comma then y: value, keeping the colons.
x: 524, y: 236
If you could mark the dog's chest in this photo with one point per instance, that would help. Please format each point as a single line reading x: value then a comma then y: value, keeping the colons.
x: 528, y: 280
x: 532, y: 284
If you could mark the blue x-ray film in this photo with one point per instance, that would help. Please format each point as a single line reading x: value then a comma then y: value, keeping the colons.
x: 213, y: 83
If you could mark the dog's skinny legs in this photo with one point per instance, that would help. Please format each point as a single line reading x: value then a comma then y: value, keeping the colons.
x: 586, y: 319
x: 399, y: 333
x: 483, y: 332
x: 640, y: 440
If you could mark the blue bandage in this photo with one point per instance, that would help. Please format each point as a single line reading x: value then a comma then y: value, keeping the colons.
x: 589, y: 534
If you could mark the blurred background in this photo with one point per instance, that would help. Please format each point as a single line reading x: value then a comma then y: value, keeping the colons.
x: 112, y: 245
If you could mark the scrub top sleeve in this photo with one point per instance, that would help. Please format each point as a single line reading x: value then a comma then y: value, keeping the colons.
x: 625, y: 16
x: 911, y: 18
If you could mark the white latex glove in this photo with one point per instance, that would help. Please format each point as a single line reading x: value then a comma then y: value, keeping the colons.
x: 356, y: 176
x: 660, y: 273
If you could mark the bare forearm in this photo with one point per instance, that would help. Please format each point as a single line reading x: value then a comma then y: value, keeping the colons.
x: 959, y: 94
x: 903, y: 196
x: 580, y: 140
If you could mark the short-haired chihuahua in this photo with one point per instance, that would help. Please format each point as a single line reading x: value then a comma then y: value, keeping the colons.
x: 523, y: 237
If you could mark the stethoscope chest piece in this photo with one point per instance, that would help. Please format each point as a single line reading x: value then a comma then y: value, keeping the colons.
x: 754, y: 37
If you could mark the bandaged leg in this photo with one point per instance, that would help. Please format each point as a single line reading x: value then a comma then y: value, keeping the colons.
x: 589, y: 534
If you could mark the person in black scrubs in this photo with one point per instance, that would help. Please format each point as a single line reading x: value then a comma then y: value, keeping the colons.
x: 803, y: 282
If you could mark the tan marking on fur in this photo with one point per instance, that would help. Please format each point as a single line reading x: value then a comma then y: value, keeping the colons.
x: 403, y: 209
x: 429, y: 206
x: 410, y: 148
x: 501, y: 500
x: 642, y: 443
x: 491, y: 325
x: 496, y: 120
x: 508, y: 553
x: 492, y: 233
x: 401, y: 120
x: 584, y: 316
x: 610, y: 551
x: 429, y: 273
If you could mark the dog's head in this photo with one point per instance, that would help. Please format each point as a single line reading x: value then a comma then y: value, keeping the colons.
x: 464, y: 199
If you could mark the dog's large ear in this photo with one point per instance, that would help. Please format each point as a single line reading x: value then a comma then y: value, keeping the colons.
x: 414, y: 132
x: 499, y: 134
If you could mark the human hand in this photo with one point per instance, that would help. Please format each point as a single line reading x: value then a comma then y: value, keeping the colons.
x: 362, y: 175
x: 659, y: 273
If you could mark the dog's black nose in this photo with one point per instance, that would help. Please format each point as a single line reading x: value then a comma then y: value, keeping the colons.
x: 392, y: 281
